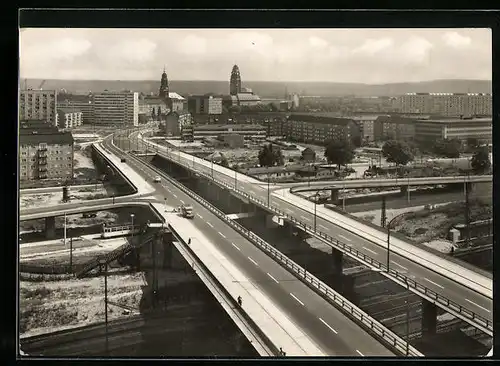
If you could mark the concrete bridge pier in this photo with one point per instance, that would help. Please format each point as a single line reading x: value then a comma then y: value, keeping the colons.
x: 337, y: 257
x: 334, y: 195
x: 50, y: 227
x: 429, y: 318
x: 404, y: 190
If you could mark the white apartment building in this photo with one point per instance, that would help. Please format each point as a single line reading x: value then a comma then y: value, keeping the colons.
x: 67, y: 118
x: 446, y: 104
x: 116, y: 108
x: 86, y: 107
x: 38, y: 105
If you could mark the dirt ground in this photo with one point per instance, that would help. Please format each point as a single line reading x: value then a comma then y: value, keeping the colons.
x: 72, y: 221
x: 55, y: 198
x: 423, y: 225
x: 56, y: 305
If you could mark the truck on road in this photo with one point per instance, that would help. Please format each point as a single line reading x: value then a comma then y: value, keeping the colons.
x: 187, y: 211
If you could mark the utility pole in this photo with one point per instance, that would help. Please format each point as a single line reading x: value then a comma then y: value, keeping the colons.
x: 71, y: 253
x: 104, y: 265
x: 407, y: 328
x: 467, y: 214
x: 383, y: 217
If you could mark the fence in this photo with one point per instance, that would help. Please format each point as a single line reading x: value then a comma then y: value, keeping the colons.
x: 484, y: 324
x: 313, y: 282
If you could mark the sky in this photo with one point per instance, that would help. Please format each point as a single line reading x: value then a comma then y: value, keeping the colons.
x: 372, y: 56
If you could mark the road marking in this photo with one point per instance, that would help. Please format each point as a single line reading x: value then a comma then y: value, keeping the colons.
x: 209, y: 224
x: 234, y: 245
x: 362, y: 355
x: 173, y: 194
x: 343, y: 237
x: 434, y: 283
x: 181, y: 201
x: 479, y: 306
x: 328, y: 325
x: 305, y: 218
x: 369, y: 250
x: 199, y: 216
x: 254, y: 262
x: 323, y: 226
x: 399, y: 265
x: 275, y: 280
x: 222, y: 234
x: 295, y: 297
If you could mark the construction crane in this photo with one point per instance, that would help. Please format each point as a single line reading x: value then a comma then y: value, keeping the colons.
x: 41, y: 84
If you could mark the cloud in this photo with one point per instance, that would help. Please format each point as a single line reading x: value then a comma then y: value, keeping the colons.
x: 317, y: 42
x: 416, y: 49
x: 133, y: 51
x: 193, y: 45
x: 373, y: 46
x: 59, y: 49
x: 455, y: 40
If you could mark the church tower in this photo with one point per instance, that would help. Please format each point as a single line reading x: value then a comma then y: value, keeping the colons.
x: 235, y: 81
x: 164, y: 91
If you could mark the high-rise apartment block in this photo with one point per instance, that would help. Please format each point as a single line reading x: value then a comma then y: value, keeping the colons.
x: 86, y: 106
x: 446, y: 104
x: 205, y: 104
x: 68, y: 118
x: 38, y: 105
x: 116, y: 108
x: 44, y: 152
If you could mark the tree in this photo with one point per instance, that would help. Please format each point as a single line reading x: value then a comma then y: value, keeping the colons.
x: 158, y: 113
x: 270, y: 155
x: 397, y: 152
x: 447, y: 148
x: 234, y: 109
x: 339, y: 152
x: 153, y: 115
x: 472, y: 142
x: 480, y: 161
x: 308, y: 154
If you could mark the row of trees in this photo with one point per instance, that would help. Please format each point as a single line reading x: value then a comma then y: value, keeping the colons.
x: 341, y: 153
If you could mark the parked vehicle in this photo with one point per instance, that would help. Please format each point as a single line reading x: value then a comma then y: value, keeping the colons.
x: 123, y: 160
x: 88, y: 215
x: 187, y: 211
x: 157, y: 179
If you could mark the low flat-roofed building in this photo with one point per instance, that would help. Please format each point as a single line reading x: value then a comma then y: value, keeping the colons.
x: 248, y: 131
x: 454, y: 128
x: 44, y: 152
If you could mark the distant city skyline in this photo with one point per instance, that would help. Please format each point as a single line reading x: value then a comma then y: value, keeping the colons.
x: 370, y: 56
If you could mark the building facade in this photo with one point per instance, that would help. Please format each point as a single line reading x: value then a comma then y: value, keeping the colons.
x: 320, y: 128
x: 205, y: 104
x: 394, y: 127
x: 44, y: 152
x: 68, y: 118
x: 85, y: 106
x: 446, y: 104
x: 249, y: 132
x: 175, y: 122
x: 116, y: 108
x: 366, y: 127
x: 38, y: 104
x: 460, y: 129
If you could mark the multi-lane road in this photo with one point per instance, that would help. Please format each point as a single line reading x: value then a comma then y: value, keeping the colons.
x: 454, y: 291
x: 328, y: 327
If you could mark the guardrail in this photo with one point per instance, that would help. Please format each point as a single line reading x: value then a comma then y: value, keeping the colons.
x: 483, y: 323
x: 349, y: 309
x: 273, y: 348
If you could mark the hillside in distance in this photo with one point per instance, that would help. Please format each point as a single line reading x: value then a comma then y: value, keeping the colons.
x: 270, y: 89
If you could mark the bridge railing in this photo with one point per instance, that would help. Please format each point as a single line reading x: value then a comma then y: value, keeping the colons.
x: 234, y: 303
x: 349, y: 309
x: 480, y: 321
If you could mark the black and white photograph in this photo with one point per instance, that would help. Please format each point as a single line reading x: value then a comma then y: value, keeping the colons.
x: 255, y: 192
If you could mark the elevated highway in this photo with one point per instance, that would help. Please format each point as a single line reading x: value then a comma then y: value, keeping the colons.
x: 462, y: 292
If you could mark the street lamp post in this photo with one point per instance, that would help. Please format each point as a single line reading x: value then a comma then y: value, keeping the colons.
x: 212, y: 160
x: 132, y: 216
x: 165, y: 199
x: 235, y: 178
x: 389, y: 226
x: 407, y: 327
x: 268, y: 188
x: 104, y: 264
x: 65, y: 229
x: 343, y: 198
x: 316, y: 197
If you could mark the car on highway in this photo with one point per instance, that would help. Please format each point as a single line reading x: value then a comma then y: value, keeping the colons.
x: 88, y: 215
x: 157, y: 179
x: 123, y: 160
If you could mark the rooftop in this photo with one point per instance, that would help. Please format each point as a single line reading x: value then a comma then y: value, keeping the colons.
x: 320, y: 118
x: 247, y: 96
x: 63, y: 138
x: 458, y: 120
x: 229, y: 126
x: 68, y: 110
